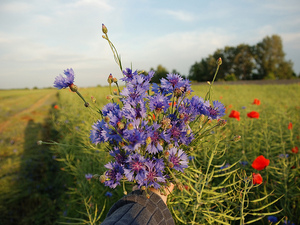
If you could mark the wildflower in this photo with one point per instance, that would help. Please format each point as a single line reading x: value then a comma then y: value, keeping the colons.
x: 295, y: 150
x: 235, y: 114
x: 136, y: 169
x: 244, y: 163
x: 225, y: 166
x: 113, y: 175
x: 256, y: 102
x: 272, y: 219
x: 217, y: 111
x: 283, y: 155
x: 63, y: 82
x: 153, y: 173
x: 178, y: 158
x: 244, y: 107
x: 108, y: 194
x: 260, y: 163
x: 159, y: 103
x: 257, y: 179
x: 56, y: 107
x: 104, y: 29
x: 290, y: 126
x: 88, y: 176
x: 253, y: 114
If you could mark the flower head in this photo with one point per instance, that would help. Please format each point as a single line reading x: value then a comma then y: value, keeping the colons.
x: 64, y: 82
x: 216, y: 111
x: 295, y: 150
x: 253, y: 114
x: 178, y: 158
x: 256, y: 102
x: 290, y: 126
x: 260, y: 163
x: 88, y: 176
x: 235, y: 114
x: 257, y: 179
x: 272, y: 219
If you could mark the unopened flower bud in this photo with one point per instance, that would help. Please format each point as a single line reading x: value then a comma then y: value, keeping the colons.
x: 221, y: 123
x: 237, y: 138
x: 102, y: 178
x: 181, y: 116
x: 180, y: 186
x: 161, y: 142
x: 86, y: 104
x: 148, y: 196
x: 188, y: 132
x: 115, y: 92
x: 170, y: 165
x: 120, y: 125
x: 167, y: 154
x: 130, y: 126
x: 110, y: 79
x: 115, y: 80
x: 73, y: 87
x: 219, y: 61
x: 143, y: 188
x: 171, y: 145
x: 39, y: 142
x: 148, y: 140
x: 202, y: 118
x: 109, y: 97
x: 170, y: 126
x: 104, y: 29
x: 106, y: 119
x: 125, y: 192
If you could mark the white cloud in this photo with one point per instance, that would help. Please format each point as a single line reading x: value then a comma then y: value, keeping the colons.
x: 102, y: 4
x: 15, y: 7
x: 181, y: 15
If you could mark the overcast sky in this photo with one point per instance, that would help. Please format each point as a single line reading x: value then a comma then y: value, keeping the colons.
x: 41, y: 38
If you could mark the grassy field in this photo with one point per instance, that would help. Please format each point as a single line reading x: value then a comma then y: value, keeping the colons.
x: 47, y: 183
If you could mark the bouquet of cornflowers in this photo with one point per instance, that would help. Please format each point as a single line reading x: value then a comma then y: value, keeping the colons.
x: 148, y: 127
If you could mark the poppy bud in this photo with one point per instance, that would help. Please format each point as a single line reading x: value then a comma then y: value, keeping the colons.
x: 104, y: 29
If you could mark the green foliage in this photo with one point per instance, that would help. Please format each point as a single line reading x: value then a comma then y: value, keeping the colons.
x: 246, y: 62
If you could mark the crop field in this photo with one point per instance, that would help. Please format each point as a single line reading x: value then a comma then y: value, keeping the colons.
x: 49, y: 183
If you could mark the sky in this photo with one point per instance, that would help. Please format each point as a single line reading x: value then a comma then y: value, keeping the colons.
x: 39, y: 39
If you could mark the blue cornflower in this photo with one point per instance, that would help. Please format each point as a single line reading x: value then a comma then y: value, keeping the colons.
x: 96, y: 136
x: 159, y: 103
x: 108, y: 194
x: 120, y: 156
x: 64, y: 82
x: 134, y: 137
x: 128, y: 75
x: 225, y: 166
x: 217, y: 111
x: 288, y: 223
x: 178, y: 159
x: 114, y: 174
x: 272, y: 219
x: 153, y: 174
x: 244, y: 163
x: 283, y: 155
x: 134, y: 109
x: 110, y: 107
x: 154, y: 137
x: 171, y: 82
x: 135, y: 169
x: 88, y: 176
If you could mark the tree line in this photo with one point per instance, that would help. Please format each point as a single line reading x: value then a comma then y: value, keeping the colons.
x: 264, y: 60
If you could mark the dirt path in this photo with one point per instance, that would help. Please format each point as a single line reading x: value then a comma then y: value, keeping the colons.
x: 30, y: 109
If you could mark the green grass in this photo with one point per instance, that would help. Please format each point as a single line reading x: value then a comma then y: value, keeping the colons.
x: 80, y: 200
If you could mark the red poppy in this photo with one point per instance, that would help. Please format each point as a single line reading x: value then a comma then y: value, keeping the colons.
x: 295, y: 150
x: 257, y: 179
x: 290, y: 126
x: 260, y: 163
x: 253, y: 114
x: 235, y: 114
x: 256, y: 102
x: 56, y: 107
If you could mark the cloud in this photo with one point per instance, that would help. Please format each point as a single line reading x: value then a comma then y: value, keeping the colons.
x: 15, y: 7
x: 102, y: 4
x: 181, y: 15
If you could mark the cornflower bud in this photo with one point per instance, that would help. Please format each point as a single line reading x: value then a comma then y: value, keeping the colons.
x: 104, y: 29
x: 201, y: 118
x: 148, y: 196
x: 73, y: 87
x: 161, y: 141
x: 191, y: 149
x: 115, y: 92
x: 237, y: 138
x: 109, y: 97
x: 167, y: 154
x: 219, y: 61
x: 115, y: 80
x: 170, y: 165
x: 143, y: 188
x: 102, y: 178
x: 130, y: 126
x: 110, y: 79
x: 221, y: 123
x: 180, y: 186
x: 181, y: 116
x: 120, y: 125
x: 171, y: 146
x: 106, y: 119
x: 86, y: 104
x: 148, y: 140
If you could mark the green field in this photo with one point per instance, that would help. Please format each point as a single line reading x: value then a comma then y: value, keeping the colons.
x: 46, y: 184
